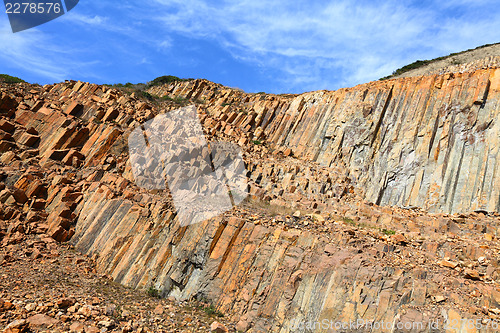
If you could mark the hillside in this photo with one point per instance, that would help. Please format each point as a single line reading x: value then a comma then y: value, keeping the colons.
x: 379, y: 203
x: 481, y: 57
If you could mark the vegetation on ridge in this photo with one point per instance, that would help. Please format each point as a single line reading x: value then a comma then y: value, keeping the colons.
x: 421, y: 63
x: 5, y: 78
x: 161, y: 80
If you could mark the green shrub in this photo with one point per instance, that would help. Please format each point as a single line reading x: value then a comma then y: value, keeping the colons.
x: 10, y: 79
x: 349, y: 221
x: 159, y: 81
x: 181, y: 100
x: 178, y: 100
x: 147, y: 95
x: 211, y: 311
x: 388, y: 232
x: 153, y: 292
x: 420, y: 63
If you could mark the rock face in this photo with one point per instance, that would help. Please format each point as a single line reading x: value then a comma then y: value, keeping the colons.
x: 277, y: 276
x: 430, y: 142
x: 316, y: 240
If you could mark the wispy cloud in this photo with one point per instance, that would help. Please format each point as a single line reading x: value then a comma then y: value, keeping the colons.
x: 41, y: 54
x: 95, y: 20
x: 23, y: 50
x: 289, y: 46
x: 349, y: 41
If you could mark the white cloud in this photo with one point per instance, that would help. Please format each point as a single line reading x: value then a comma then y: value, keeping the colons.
x: 41, y: 55
x: 22, y: 51
x: 95, y: 20
x: 359, y: 40
x: 165, y: 44
x: 303, y: 45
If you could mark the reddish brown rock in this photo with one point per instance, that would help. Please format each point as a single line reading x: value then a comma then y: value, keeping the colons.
x: 65, y: 302
x: 472, y: 274
x: 7, y: 126
x: 74, y: 109
x: 41, y: 320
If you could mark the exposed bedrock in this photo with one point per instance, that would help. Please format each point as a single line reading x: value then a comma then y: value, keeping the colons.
x: 430, y: 141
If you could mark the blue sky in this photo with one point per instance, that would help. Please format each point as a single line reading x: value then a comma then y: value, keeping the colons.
x: 273, y: 46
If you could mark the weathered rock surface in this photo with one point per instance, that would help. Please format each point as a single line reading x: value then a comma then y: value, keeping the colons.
x: 430, y: 141
x: 317, y: 239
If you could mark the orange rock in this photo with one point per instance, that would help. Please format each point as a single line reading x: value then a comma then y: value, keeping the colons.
x: 74, y: 109
x: 447, y: 263
x: 217, y: 327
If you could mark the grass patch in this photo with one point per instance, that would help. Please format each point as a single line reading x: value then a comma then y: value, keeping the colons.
x: 350, y: 221
x: 153, y: 292
x: 178, y: 100
x: 167, y: 98
x: 388, y: 232
x: 212, y: 311
x: 256, y: 142
x: 147, y: 95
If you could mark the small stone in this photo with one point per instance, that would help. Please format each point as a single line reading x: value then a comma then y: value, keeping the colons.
x: 110, y: 310
x: 399, y: 239
x: 106, y: 323
x: 472, y: 274
x: 17, y: 326
x: 85, y: 310
x: 319, y: 218
x: 495, y: 311
x: 72, y: 309
x: 77, y: 327
x: 242, y: 326
x: 127, y: 329
x: 63, y: 303
x: 439, y: 298
x: 217, y: 327
x: 30, y: 307
x: 91, y: 329
x: 447, y: 263
x: 159, y: 310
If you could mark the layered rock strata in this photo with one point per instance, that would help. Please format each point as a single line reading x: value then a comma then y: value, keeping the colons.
x: 430, y: 142
x: 314, y: 241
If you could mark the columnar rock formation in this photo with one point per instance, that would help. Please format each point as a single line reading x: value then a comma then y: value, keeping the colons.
x: 430, y: 142
x: 316, y: 240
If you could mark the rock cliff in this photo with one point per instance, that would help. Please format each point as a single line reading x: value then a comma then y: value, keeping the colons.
x: 430, y: 142
x: 336, y: 227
